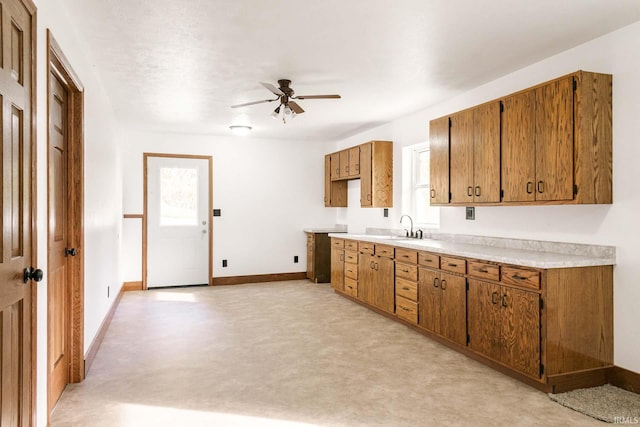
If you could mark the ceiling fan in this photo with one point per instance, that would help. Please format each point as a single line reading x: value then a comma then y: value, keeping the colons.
x: 285, y: 95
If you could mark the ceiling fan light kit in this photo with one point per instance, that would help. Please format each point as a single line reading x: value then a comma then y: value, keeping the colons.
x: 240, y: 129
x: 285, y: 94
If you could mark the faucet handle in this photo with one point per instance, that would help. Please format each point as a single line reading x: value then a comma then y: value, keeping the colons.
x: 419, y: 230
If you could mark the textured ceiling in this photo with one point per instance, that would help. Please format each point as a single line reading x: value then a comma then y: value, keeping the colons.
x: 177, y: 65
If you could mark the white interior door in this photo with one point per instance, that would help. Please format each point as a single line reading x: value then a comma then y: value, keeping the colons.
x: 177, y: 221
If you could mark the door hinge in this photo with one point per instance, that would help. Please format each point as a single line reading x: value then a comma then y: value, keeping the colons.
x: 541, y: 368
x: 468, y: 339
x: 501, y: 194
x: 541, y: 303
x: 501, y: 107
x: 575, y: 190
x: 575, y: 85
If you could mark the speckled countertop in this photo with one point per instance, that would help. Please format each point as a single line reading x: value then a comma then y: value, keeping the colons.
x: 529, y: 253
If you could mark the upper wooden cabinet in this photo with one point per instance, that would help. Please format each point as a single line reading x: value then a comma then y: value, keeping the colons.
x: 475, y: 154
x: 372, y: 162
x: 439, y: 162
x: 548, y: 144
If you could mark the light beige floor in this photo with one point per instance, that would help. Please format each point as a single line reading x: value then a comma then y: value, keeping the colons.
x: 286, y: 353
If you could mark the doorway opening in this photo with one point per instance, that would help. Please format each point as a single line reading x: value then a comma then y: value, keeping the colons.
x: 65, y: 165
x: 177, y: 241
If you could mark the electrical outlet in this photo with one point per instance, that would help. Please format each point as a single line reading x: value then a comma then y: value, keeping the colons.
x: 470, y: 213
x: 295, y: 259
x: 224, y: 262
x: 385, y: 213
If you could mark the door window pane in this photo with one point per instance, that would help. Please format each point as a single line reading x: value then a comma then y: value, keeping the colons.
x: 178, y: 196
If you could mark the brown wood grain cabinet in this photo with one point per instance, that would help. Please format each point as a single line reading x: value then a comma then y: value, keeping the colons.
x: 551, y: 328
x: 318, y: 257
x: 337, y: 264
x: 372, y: 163
x: 549, y: 144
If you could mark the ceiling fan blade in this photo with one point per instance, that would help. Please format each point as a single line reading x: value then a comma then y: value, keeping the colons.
x: 254, y: 103
x: 318, y: 97
x: 295, y: 107
x: 272, y: 88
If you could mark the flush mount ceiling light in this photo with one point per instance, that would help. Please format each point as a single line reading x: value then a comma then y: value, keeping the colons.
x: 284, y: 94
x: 240, y: 129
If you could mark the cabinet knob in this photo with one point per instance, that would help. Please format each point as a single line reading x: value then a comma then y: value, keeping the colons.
x: 529, y: 187
x: 540, y: 187
x: 433, y: 193
x: 435, y: 282
x: 504, y: 300
x: 469, y: 191
x: 494, y: 298
x: 477, y: 191
x: 443, y: 284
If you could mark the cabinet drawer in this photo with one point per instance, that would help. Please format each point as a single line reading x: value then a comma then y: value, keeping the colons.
x: 351, y: 287
x: 429, y: 260
x: 406, y: 255
x: 407, y: 310
x: 407, y: 289
x: 351, y: 270
x: 517, y: 276
x: 385, y: 251
x: 484, y: 271
x: 366, y: 247
x: 352, y: 245
x: 351, y: 257
x: 454, y: 265
x: 407, y: 271
x: 337, y: 243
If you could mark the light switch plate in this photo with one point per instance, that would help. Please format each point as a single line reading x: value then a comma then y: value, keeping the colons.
x: 470, y: 213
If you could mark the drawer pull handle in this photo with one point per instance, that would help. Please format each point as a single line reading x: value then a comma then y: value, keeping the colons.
x: 405, y: 270
x: 443, y: 284
x: 529, y: 187
x: 371, y: 264
x: 483, y: 270
x: 540, y: 187
x: 470, y: 191
x: 517, y: 276
x: 405, y: 308
x: 477, y: 191
x: 435, y: 282
x: 452, y: 264
x: 494, y: 298
x: 404, y: 288
x: 504, y: 300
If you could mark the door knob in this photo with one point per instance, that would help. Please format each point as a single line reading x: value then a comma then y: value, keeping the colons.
x: 71, y: 252
x: 32, y: 274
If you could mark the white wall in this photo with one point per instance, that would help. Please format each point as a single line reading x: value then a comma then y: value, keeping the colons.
x: 616, y: 224
x: 268, y: 192
x: 102, y: 192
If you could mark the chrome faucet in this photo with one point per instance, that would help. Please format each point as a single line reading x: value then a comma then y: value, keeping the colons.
x: 409, y: 233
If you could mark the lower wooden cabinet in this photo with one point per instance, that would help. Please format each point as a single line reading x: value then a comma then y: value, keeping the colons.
x: 318, y: 257
x: 337, y: 268
x: 504, y: 324
x: 442, y: 304
x: 376, y: 281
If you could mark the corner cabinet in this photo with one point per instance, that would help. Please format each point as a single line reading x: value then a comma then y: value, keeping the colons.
x: 549, y: 144
x: 372, y: 163
x: 550, y: 328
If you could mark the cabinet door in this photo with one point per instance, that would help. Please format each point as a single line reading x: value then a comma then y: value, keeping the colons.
x: 439, y: 160
x: 327, y: 180
x: 337, y: 269
x: 366, y: 266
x: 335, y: 166
x: 484, y: 318
x: 366, y: 191
x: 344, y: 163
x: 554, y: 140
x: 461, y: 152
x: 354, y: 161
x: 429, y: 296
x: 453, y: 309
x: 383, y: 284
x: 521, y: 330
x: 310, y: 256
x: 518, y: 148
x: 486, y: 153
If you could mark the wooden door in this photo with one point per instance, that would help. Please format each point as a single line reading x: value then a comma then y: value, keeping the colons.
x: 461, y: 157
x: 486, y: 153
x: 453, y: 309
x: 518, y: 148
x: 337, y: 269
x: 344, y: 163
x: 366, y: 265
x: 58, y: 288
x: 554, y: 140
x: 335, y: 166
x: 366, y: 190
x: 429, y: 298
x: 484, y: 318
x: 521, y: 330
x: 354, y: 161
x: 439, y: 160
x: 327, y: 181
x: 16, y: 249
x: 383, y: 284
